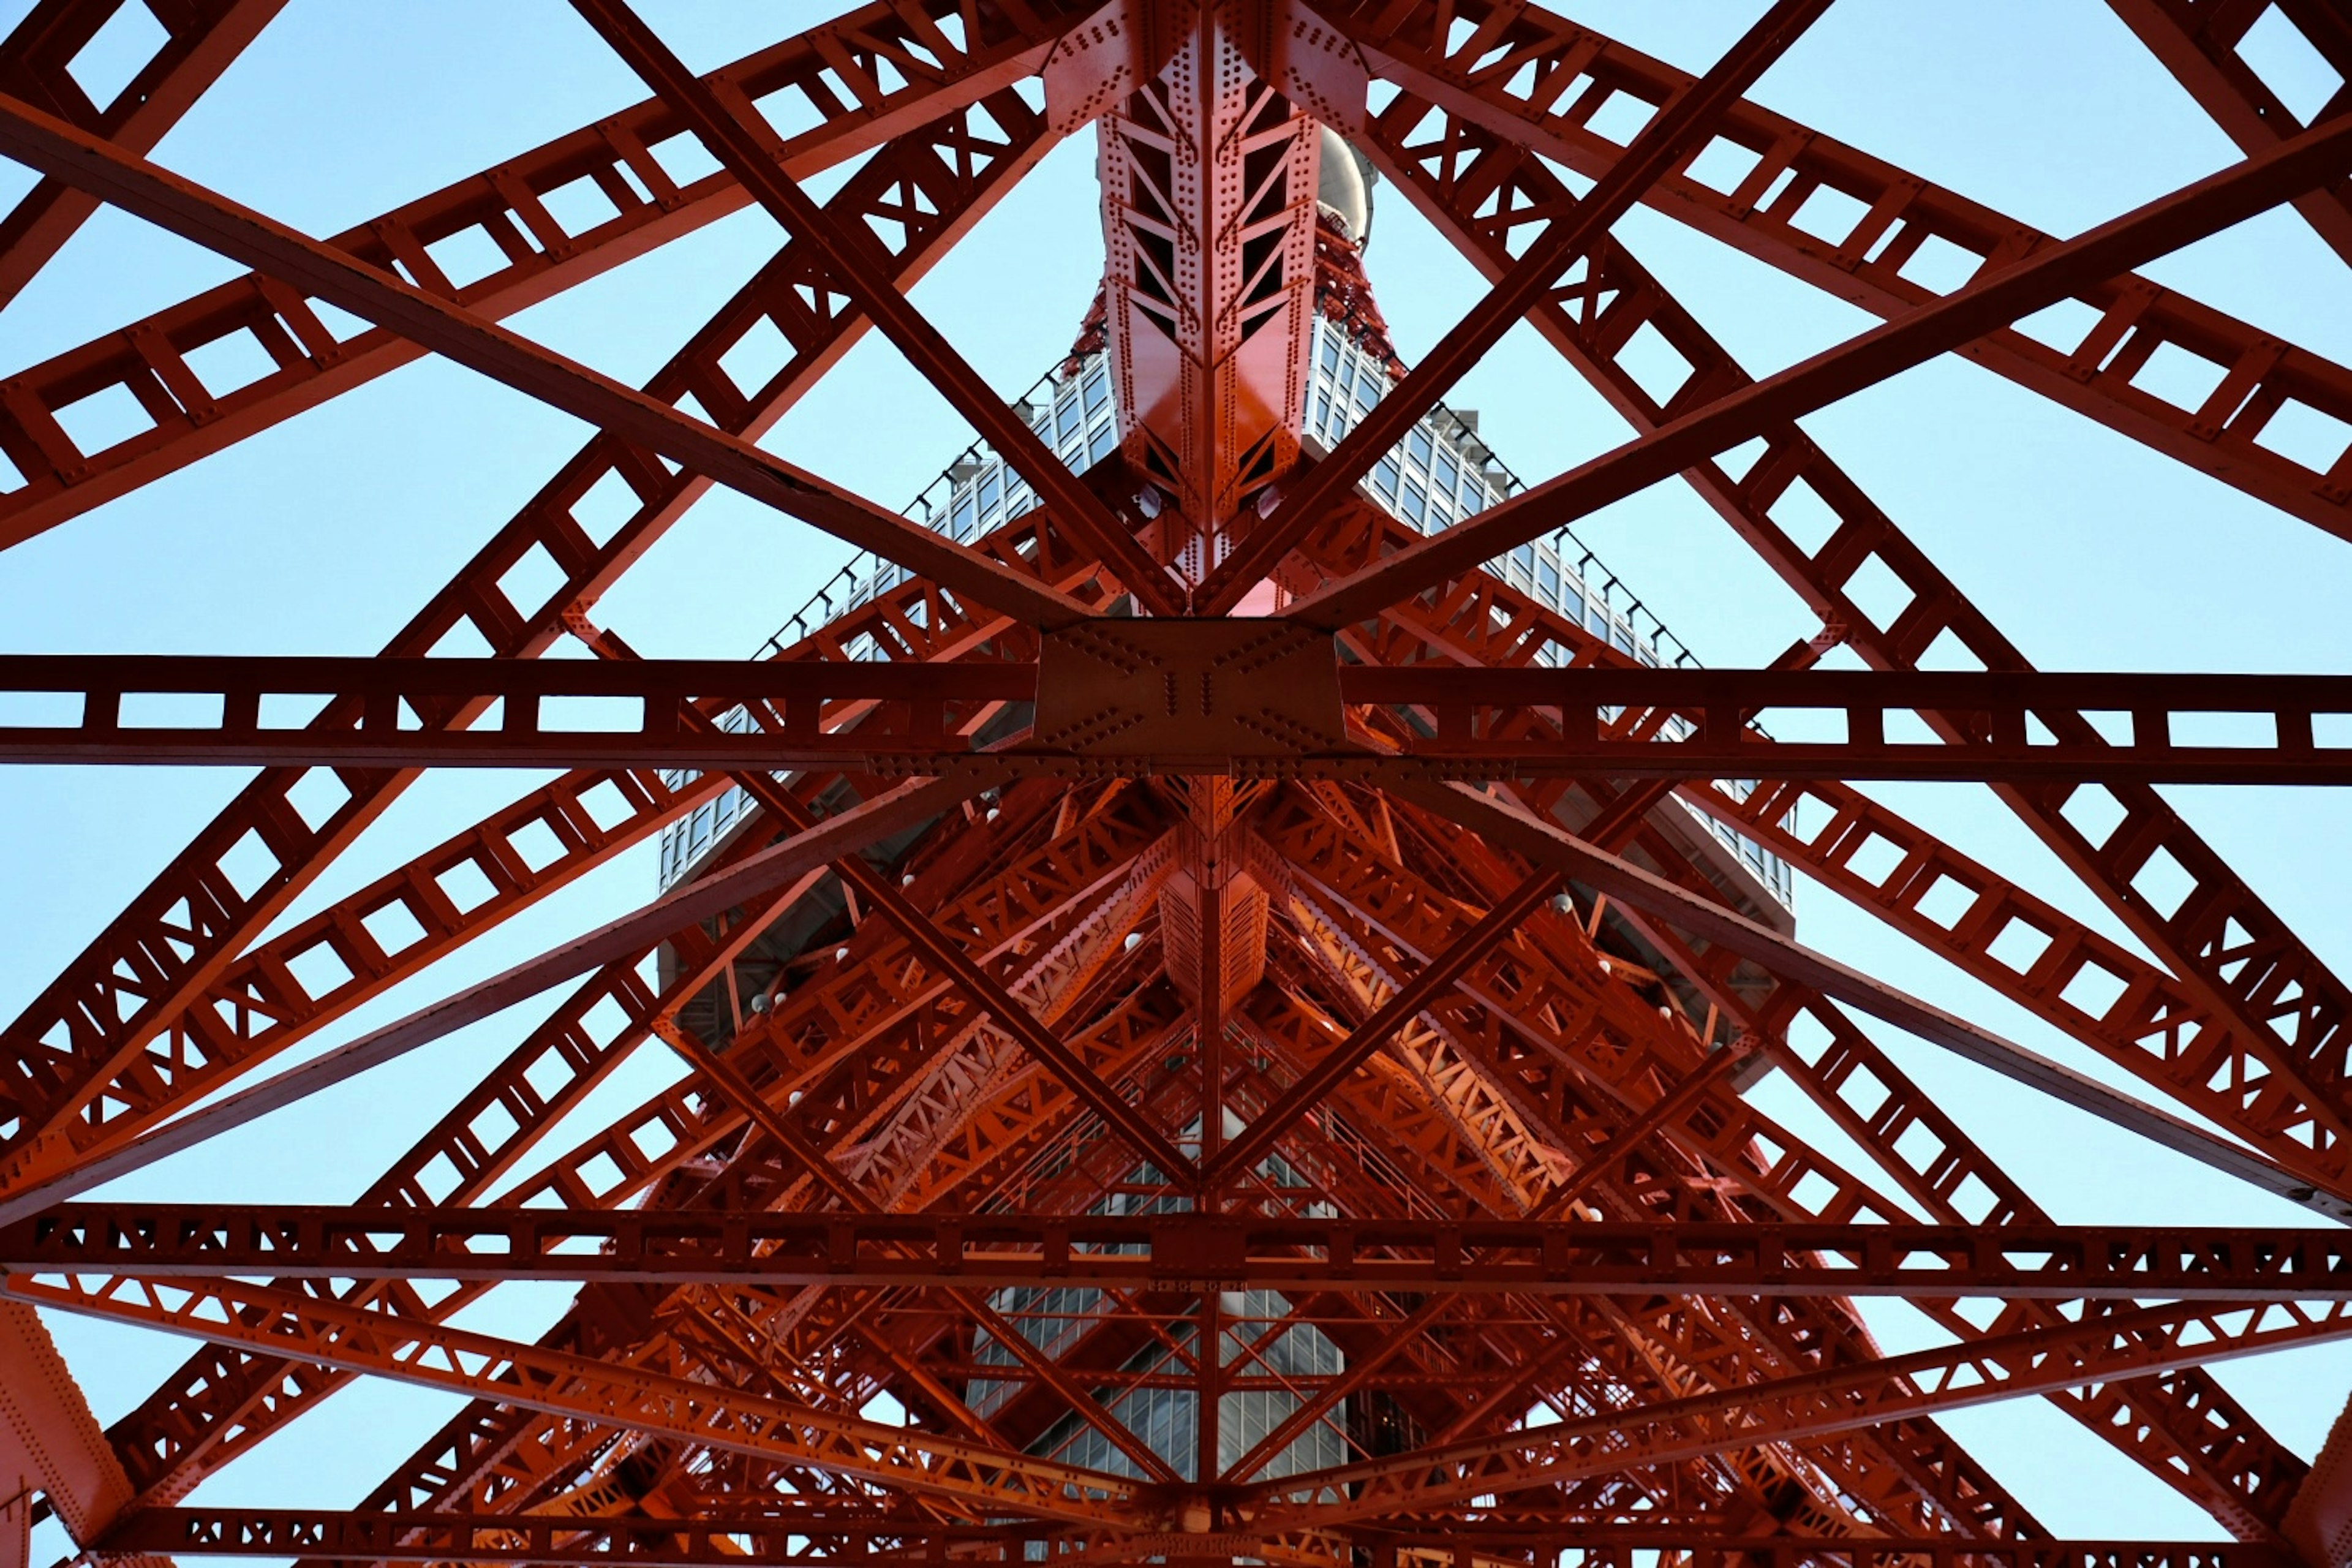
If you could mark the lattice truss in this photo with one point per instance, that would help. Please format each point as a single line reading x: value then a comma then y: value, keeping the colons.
x: 1206, y: 909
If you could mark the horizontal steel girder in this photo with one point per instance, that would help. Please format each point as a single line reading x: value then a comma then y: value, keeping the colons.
x: 1185, y: 1253
x: 1197, y: 701
x: 877, y: 1537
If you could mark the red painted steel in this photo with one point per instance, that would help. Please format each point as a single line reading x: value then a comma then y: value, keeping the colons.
x: 200, y: 39
x: 1183, y: 1253
x: 2289, y: 999
x: 1607, y: 718
x: 1199, y: 1001
x: 141, y: 979
x: 2202, y: 43
x: 1881, y: 236
x: 1208, y: 175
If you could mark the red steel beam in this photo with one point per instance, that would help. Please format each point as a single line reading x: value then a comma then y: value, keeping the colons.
x: 2104, y: 1345
x: 620, y: 199
x: 201, y: 38
x: 884, y: 1538
x: 1872, y: 234
x: 2150, y: 231
x: 437, y: 1356
x: 450, y: 328
x: 726, y: 122
x: 132, y: 1011
x: 2197, y: 40
x: 1185, y: 1253
x: 869, y: 1035
x: 1336, y: 1065
x: 2000, y: 724
x: 878, y: 1536
x: 1208, y: 172
x: 2282, y: 1012
x: 835, y: 836
x: 1445, y: 720
x: 1668, y: 139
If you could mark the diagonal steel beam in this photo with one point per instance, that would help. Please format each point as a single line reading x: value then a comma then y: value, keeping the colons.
x: 203, y: 39
x: 941, y: 951
x: 1671, y: 136
x: 734, y: 130
x: 2156, y: 229
x: 1511, y: 826
x: 2198, y: 42
x: 243, y: 235
x: 835, y: 838
x: 559, y: 1382
x: 1332, y: 1069
x: 2102, y: 1346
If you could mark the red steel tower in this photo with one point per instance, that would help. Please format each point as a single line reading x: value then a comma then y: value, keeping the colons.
x: 1219, y: 972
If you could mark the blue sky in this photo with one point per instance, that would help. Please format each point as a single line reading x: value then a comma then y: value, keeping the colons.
x: 325, y: 534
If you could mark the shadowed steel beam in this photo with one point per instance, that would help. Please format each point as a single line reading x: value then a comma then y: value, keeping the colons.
x: 1333, y: 1067
x: 211, y: 220
x: 2156, y: 229
x: 882, y: 1538
x: 2104, y: 1345
x: 1186, y: 1252
x: 614, y: 1394
x: 1422, y: 721
x: 1671, y: 136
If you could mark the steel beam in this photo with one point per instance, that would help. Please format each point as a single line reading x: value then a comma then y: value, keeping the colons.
x: 2104, y: 1345
x: 436, y: 321
x: 846, y: 833
x: 1668, y: 139
x: 835, y: 78
x: 882, y: 1539
x: 201, y: 39
x: 1864, y: 230
x: 2249, y: 1044
x: 1595, y: 720
x: 454, y: 1360
x: 131, y: 1023
x: 1185, y: 1253
x: 2058, y: 272
x: 2197, y: 40
x: 732, y: 126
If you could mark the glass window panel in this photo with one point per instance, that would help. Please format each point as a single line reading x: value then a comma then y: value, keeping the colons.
x: 1385, y: 477
x: 1417, y: 443
x: 1447, y: 477
x: 992, y: 485
x: 1547, y: 579
x: 1097, y: 387
x: 1416, y: 505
